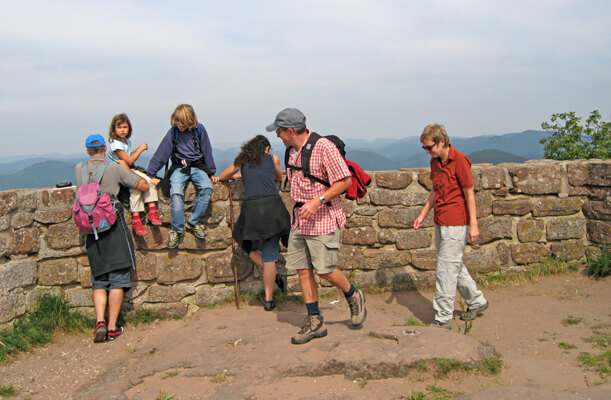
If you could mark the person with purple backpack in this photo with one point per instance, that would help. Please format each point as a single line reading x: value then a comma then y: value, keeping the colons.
x: 111, y: 251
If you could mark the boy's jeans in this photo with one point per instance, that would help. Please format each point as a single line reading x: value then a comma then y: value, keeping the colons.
x: 178, y: 182
x: 451, y: 273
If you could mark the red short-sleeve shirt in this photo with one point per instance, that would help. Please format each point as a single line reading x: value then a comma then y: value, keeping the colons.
x: 449, y: 179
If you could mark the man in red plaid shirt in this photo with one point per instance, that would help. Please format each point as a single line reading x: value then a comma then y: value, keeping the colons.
x: 318, y: 215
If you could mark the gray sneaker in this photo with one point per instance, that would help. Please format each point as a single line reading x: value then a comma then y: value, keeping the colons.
x: 313, y: 327
x: 358, y: 312
x: 437, y: 324
x: 198, y: 230
x: 174, y: 238
x: 473, y: 313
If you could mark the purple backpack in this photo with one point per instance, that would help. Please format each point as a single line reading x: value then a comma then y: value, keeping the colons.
x: 93, y: 210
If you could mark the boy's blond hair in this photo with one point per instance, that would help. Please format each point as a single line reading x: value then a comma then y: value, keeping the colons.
x: 119, y: 119
x: 185, y: 116
x: 435, y: 132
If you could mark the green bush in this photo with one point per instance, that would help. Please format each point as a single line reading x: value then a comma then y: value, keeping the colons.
x: 601, y: 265
x: 35, y: 329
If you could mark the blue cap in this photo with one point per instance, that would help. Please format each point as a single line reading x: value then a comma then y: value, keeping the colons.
x: 95, y: 140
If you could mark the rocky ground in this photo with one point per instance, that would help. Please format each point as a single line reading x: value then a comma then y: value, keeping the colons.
x: 225, y: 353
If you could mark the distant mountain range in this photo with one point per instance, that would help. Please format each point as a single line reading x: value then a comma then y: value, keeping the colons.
x: 375, y: 155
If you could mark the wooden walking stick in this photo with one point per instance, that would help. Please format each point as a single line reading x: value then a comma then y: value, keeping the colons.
x: 234, y: 256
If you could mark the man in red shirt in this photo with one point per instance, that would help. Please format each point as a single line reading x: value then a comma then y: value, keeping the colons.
x: 453, y: 200
x: 318, y: 215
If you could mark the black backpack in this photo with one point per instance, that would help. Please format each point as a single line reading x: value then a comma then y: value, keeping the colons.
x: 306, y: 154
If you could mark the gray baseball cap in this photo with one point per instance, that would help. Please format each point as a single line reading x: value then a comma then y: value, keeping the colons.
x: 287, y: 118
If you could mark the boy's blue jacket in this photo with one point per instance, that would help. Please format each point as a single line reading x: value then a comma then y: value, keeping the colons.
x: 187, y: 148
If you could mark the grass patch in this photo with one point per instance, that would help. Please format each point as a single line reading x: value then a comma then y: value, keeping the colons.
x: 411, y: 321
x: 166, y: 396
x: 170, y: 374
x: 218, y: 378
x: 599, y: 339
x: 570, y: 320
x: 138, y: 317
x: 434, y: 393
x: 491, y: 365
x: 600, y: 266
x: 446, y: 365
x: 7, y: 390
x: 601, y: 363
x: 37, y: 326
x: 551, y: 266
x: 566, y: 346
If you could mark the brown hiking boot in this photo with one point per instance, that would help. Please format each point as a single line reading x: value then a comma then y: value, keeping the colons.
x: 474, y: 312
x: 313, y: 327
x: 358, y: 312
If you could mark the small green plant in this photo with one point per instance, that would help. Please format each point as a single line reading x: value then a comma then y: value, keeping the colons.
x: 445, y: 366
x: 36, y: 328
x: 421, y: 366
x: 411, y: 321
x: 600, y: 266
x: 7, y: 390
x: 142, y: 316
x: 491, y: 365
x: 601, y: 363
x: 566, y: 346
x: 599, y: 339
x: 416, y: 396
x: 166, y: 396
x: 218, y: 378
x: 170, y: 374
x: 570, y: 320
x: 212, y: 306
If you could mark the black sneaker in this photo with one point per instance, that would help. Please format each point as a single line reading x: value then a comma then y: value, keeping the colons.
x: 269, y: 305
x: 281, y: 282
x: 473, y: 313
x: 358, y: 311
x: 99, y: 335
x: 313, y: 327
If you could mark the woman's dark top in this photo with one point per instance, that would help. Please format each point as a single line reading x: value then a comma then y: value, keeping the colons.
x: 261, y: 179
x: 263, y: 215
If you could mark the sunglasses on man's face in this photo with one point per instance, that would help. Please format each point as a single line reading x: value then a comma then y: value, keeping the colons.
x: 429, y: 148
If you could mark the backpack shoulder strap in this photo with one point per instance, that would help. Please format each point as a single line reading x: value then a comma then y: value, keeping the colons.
x: 98, y: 175
x: 84, y: 173
x: 306, y: 153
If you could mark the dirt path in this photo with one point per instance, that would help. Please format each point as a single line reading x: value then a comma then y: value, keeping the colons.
x: 225, y: 353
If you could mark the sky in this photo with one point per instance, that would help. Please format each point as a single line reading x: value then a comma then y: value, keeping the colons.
x: 357, y: 69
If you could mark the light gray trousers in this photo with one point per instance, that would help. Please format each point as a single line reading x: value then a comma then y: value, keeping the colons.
x: 451, y: 273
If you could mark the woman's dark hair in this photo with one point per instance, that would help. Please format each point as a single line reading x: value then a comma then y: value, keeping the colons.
x: 252, y: 152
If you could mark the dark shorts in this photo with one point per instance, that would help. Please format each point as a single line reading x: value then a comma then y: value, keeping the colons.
x: 119, y: 279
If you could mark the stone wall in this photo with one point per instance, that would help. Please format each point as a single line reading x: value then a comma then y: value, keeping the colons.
x: 526, y: 213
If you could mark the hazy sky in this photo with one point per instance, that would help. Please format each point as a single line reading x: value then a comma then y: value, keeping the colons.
x: 359, y: 69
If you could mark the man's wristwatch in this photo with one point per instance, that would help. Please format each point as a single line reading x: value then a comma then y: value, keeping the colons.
x: 323, y: 199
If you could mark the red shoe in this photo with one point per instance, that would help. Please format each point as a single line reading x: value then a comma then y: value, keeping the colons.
x: 138, y: 228
x: 153, y: 217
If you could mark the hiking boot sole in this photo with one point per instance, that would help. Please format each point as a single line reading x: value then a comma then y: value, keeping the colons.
x: 359, y: 324
x: 320, y: 334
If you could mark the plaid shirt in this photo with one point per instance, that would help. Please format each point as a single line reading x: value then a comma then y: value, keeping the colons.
x: 327, y: 164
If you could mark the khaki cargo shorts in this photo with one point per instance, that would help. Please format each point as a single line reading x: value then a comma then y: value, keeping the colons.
x: 319, y: 253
